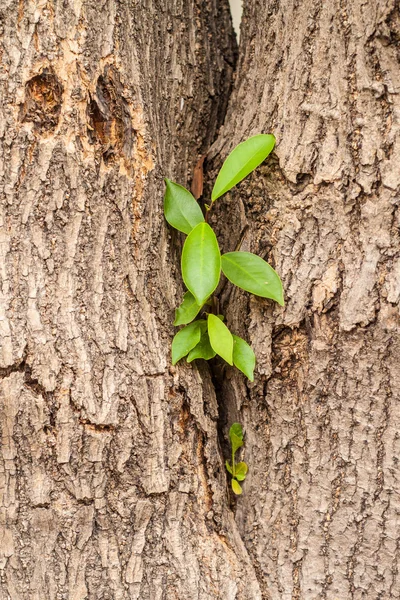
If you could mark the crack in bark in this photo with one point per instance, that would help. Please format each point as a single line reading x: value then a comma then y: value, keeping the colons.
x: 17, y: 367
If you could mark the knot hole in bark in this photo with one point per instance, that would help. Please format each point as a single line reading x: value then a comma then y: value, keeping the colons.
x: 43, y: 100
x: 109, y: 118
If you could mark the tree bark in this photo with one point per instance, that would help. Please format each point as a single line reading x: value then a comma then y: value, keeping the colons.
x: 112, y: 479
x: 112, y: 483
x: 319, y: 514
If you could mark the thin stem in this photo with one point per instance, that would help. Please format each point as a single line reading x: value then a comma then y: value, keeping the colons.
x: 233, y: 464
x: 208, y: 208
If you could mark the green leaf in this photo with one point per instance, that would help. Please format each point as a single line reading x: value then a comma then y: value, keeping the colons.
x: 202, y: 350
x: 243, y: 357
x: 251, y: 273
x: 236, y: 429
x: 180, y: 208
x: 236, y: 443
x: 241, y: 471
x: 228, y: 467
x: 187, y: 311
x: 186, y: 339
x: 221, y: 338
x: 236, y: 487
x: 243, y: 159
x: 201, y: 262
x: 236, y: 436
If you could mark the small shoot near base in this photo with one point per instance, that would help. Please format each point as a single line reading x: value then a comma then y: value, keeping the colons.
x: 237, y: 470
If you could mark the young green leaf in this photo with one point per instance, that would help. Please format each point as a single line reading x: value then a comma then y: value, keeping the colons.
x: 236, y: 436
x: 202, y: 350
x: 221, y: 339
x: 236, y: 487
x: 243, y: 357
x: 241, y: 471
x: 180, y: 208
x: 236, y: 429
x: 251, y: 273
x: 201, y: 262
x: 228, y: 467
x: 186, y: 339
x: 187, y: 311
x: 243, y: 159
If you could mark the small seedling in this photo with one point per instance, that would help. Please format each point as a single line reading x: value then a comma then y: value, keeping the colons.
x: 202, y: 264
x: 237, y: 470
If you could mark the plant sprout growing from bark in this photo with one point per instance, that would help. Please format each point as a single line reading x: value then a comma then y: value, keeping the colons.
x: 237, y: 470
x: 202, y: 264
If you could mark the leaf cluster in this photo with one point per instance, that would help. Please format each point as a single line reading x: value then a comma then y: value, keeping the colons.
x: 202, y: 264
x: 237, y: 470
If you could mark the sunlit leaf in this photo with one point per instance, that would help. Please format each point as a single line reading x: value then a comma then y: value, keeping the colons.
x: 236, y: 487
x: 186, y: 339
x: 201, y: 262
x: 187, y: 311
x: 243, y: 159
x: 243, y: 357
x: 221, y: 338
x: 251, y: 273
x: 180, y: 208
x: 202, y: 350
x: 241, y: 471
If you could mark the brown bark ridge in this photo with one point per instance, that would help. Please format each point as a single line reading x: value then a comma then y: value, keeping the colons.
x: 112, y: 485
x: 320, y: 510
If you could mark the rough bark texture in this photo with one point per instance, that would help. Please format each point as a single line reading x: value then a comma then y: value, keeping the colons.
x: 111, y: 481
x: 320, y: 512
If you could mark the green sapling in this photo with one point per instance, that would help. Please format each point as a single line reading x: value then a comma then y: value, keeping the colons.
x: 202, y: 263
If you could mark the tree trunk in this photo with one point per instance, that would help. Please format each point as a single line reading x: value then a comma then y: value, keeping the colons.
x: 112, y: 471
x: 112, y: 483
x: 319, y: 514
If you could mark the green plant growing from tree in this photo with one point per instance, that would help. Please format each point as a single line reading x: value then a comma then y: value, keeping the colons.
x: 237, y: 470
x: 202, y: 264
